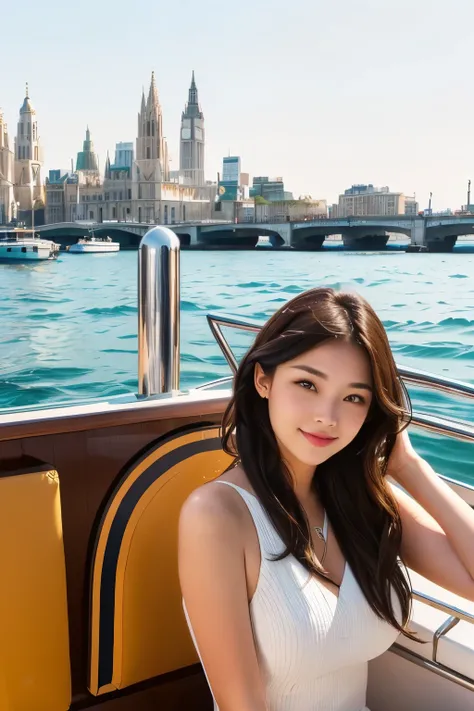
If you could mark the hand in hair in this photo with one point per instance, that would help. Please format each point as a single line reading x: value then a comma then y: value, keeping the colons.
x: 402, y: 455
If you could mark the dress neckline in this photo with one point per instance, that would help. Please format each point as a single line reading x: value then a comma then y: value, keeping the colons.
x: 325, y: 528
x: 241, y: 488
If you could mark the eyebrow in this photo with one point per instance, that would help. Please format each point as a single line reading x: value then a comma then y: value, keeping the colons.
x: 320, y: 374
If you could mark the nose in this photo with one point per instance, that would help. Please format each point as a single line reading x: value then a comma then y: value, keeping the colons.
x: 326, y: 414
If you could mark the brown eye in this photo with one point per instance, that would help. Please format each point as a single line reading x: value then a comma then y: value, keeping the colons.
x: 306, y: 384
x: 356, y: 399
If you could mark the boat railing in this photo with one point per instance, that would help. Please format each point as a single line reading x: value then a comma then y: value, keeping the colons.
x: 456, y: 615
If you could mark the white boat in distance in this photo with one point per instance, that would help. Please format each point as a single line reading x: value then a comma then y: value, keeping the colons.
x: 88, y: 245
x: 19, y: 245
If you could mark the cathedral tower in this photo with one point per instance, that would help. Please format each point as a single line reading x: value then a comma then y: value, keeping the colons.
x: 191, y: 155
x: 151, y: 145
x: 28, y: 158
x: 7, y: 200
x: 151, y: 167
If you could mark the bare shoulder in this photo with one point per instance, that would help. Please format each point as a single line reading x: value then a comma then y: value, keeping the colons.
x: 216, y: 504
x: 212, y: 503
x: 211, y: 519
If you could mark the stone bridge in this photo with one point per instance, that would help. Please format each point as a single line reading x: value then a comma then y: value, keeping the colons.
x: 438, y: 234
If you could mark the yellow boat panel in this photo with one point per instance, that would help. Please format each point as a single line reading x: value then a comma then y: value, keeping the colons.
x: 138, y: 627
x: 34, y: 639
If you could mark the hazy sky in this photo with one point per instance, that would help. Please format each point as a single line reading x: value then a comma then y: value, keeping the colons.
x: 324, y: 93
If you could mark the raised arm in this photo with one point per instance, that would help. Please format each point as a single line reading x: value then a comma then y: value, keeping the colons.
x: 438, y: 526
x: 213, y: 583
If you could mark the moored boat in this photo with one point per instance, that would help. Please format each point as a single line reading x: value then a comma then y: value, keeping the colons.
x: 20, y: 245
x: 91, y: 614
x: 94, y: 245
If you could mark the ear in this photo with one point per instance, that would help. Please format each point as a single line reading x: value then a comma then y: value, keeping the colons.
x: 261, y: 381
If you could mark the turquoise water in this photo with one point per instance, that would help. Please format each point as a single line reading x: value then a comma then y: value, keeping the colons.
x: 68, y: 328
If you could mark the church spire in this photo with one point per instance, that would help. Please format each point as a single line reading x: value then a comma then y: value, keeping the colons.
x: 27, y: 107
x: 193, y: 92
x: 107, y: 172
x: 153, y: 99
x: 151, y: 144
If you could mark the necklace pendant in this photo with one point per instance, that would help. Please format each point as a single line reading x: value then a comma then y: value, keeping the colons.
x: 319, y: 532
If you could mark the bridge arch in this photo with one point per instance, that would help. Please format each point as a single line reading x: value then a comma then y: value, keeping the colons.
x: 67, y: 233
x: 235, y: 236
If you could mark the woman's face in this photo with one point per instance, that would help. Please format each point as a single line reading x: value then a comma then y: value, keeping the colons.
x: 318, y: 401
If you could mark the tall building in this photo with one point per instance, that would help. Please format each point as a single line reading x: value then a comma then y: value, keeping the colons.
x: 87, y: 159
x: 271, y: 189
x: 229, y: 185
x: 118, y: 184
x: 411, y: 205
x: 124, y: 155
x: 151, y: 166
x: 191, y: 154
x: 7, y: 199
x: 56, y: 195
x: 28, y: 159
x: 365, y: 200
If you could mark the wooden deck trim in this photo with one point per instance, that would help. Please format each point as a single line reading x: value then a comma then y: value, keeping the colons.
x: 101, y: 415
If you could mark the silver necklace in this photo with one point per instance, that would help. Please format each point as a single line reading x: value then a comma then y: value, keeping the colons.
x: 320, y: 534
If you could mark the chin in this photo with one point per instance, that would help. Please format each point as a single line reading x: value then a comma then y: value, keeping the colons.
x: 315, y: 460
x: 312, y: 459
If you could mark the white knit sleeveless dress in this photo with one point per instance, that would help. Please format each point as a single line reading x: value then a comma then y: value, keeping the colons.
x: 313, y: 647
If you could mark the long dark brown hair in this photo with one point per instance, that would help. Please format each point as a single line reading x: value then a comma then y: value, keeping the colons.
x: 351, y: 484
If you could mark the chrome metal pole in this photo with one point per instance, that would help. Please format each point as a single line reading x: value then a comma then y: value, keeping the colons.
x: 158, y: 312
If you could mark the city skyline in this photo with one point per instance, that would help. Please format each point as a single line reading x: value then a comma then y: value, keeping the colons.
x: 335, y: 96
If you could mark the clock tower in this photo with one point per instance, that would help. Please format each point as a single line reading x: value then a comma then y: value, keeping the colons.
x: 191, y: 155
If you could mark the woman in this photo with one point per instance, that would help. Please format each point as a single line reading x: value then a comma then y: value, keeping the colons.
x: 292, y: 563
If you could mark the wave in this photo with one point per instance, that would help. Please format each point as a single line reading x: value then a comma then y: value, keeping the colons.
x: 292, y: 289
x: 193, y: 306
x: 435, y: 350
x: 210, y: 360
x: 15, y: 395
x: 251, y: 284
x: 59, y: 374
x: 53, y: 299
x: 119, y: 310
x: 118, y: 350
x: 456, y: 323
x: 45, y: 316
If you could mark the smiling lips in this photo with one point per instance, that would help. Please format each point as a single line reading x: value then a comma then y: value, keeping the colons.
x: 318, y: 440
